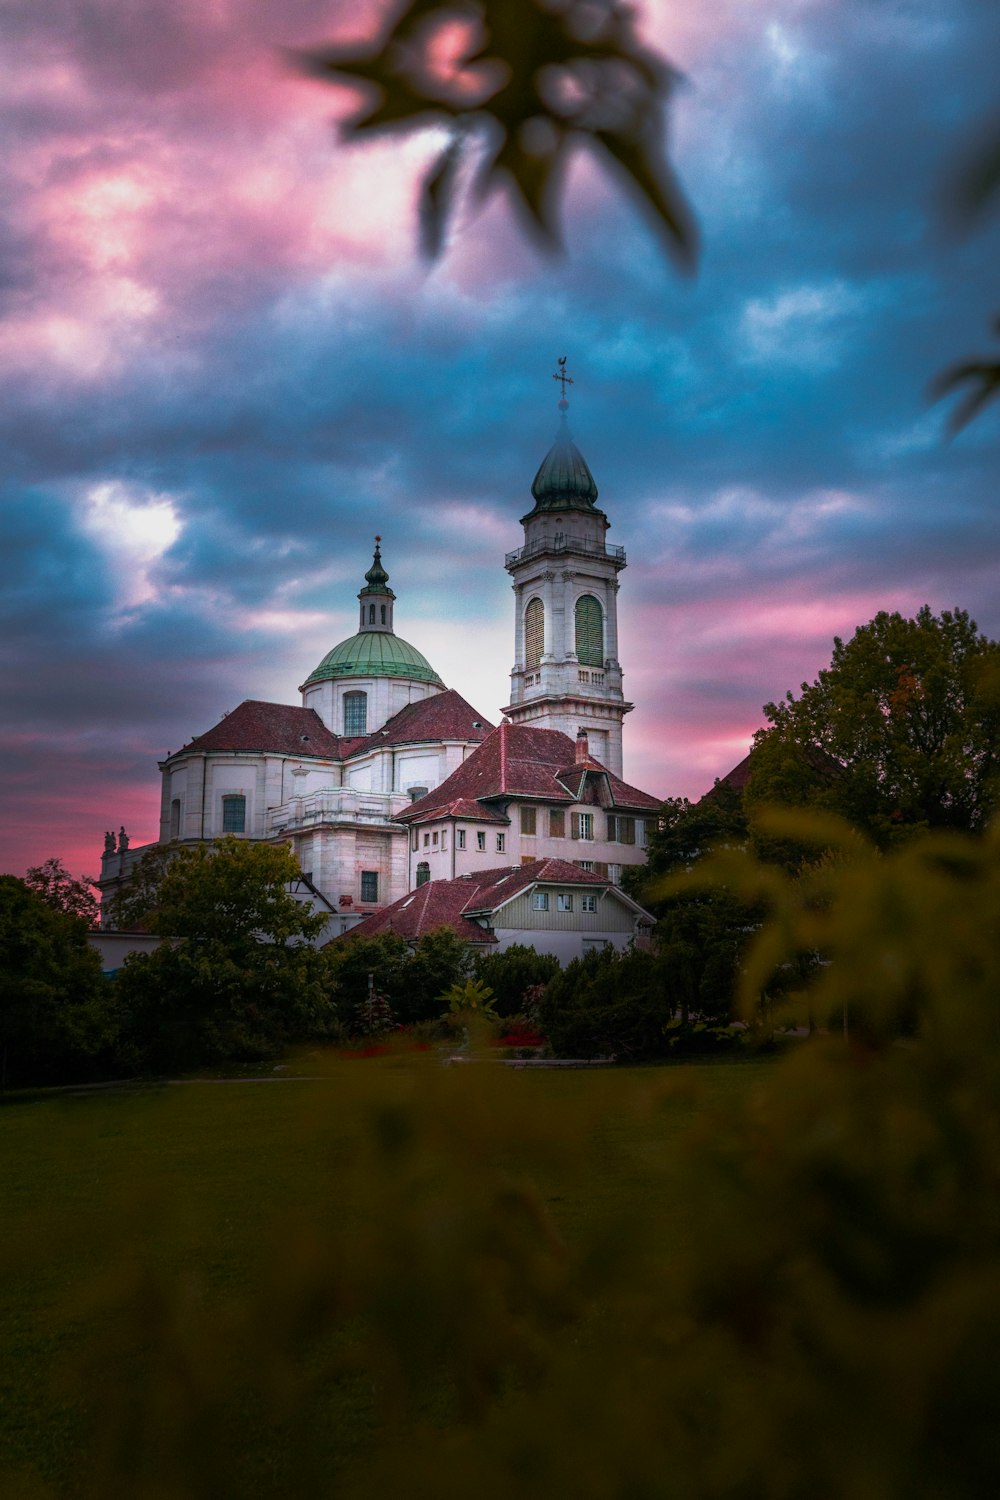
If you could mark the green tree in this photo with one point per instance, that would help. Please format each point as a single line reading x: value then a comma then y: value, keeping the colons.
x: 58, y: 889
x: 55, y: 1015
x: 235, y: 976
x: 132, y: 907
x: 907, y: 718
x: 512, y: 972
x: 347, y: 964
x: 608, y: 1004
x: 439, y: 961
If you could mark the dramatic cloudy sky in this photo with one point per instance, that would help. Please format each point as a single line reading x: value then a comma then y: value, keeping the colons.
x: 222, y: 368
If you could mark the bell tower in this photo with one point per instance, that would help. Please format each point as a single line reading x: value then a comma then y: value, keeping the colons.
x: 566, y: 673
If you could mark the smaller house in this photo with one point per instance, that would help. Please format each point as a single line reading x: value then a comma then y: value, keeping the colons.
x: 547, y: 904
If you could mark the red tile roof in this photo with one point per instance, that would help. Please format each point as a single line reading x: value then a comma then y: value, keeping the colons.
x: 279, y: 728
x: 443, y: 716
x: 517, y: 760
x: 448, y: 903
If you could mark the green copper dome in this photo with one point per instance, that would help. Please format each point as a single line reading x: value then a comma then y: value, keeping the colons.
x: 374, y: 653
x: 564, y: 482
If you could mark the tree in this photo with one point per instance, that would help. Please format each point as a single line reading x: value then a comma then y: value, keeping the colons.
x: 519, y: 85
x: 58, y: 889
x: 347, y: 965
x: 235, y: 975
x: 512, y: 972
x: 908, y: 713
x: 54, y: 1009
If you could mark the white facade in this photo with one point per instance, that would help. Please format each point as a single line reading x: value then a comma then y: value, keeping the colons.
x: 566, y: 672
x: 377, y: 731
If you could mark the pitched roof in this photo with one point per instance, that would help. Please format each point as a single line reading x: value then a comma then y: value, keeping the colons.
x: 450, y: 903
x: 517, y: 760
x: 279, y: 728
x: 443, y: 716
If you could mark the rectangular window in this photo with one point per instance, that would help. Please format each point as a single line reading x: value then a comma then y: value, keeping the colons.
x: 557, y: 823
x: 175, y: 819
x: 435, y: 840
x: 480, y: 840
x: 460, y: 838
x: 640, y: 832
x: 615, y: 874
x: 588, y: 903
x: 583, y: 825
x: 585, y: 864
x: 427, y: 841
x: 369, y: 885
x: 501, y: 843
x: 444, y: 838
x: 528, y: 821
x: 416, y: 841
x: 355, y: 714
x: 564, y: 901
x: 234, y: 814
x: 621, y: 830
x: 540, y: 901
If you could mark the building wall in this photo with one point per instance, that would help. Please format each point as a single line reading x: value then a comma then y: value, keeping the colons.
x: 386, y: 696
x: 447, y: 860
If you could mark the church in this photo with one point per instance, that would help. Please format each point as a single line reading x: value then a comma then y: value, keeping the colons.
x: 384, y: 779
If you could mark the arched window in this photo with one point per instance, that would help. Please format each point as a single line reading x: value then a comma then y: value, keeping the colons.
x: 355, y: 713
x: 175, y: 818
x: 371, y: 614
x: 423, y: 872
x: 534, y: 633
x: 589, y: 632
x: 234, y: 814
x: 383, y: 614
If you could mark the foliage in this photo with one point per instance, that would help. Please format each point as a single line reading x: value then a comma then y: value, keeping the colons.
x: 132, y: 907
x: 411, y: 981
x: 55, y: 1014
x: 347, y: 964
x: 513, y: 972
x: 799, y: 1295
x: 908, y: 713
x: 471, y: 999
x: 57, y: 887
x: 235, y: 975
x: 608, y: 1004
x: 973, y: 190
x: 440, y: 960
x: 519, y: 85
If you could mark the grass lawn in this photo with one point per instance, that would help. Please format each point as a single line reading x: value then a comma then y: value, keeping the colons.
x: 138, y: 1227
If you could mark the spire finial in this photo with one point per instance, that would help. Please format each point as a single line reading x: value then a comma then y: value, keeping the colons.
x: 564, y: 380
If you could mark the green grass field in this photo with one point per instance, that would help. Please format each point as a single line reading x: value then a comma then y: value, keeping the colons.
x: 138, y: 1226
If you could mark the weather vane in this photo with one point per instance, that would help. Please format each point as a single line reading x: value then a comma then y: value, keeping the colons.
x: 564, y: 379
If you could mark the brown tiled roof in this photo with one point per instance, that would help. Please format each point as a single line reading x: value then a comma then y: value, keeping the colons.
x: 438, y: 903
x: 279, y: 728
x: 517, y: 760
x: 448, y: 903
x: 443, y: 716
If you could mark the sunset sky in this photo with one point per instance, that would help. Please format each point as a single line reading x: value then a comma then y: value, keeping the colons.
x: 224, y: 367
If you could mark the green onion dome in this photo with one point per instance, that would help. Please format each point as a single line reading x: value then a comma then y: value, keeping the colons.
x: 563, y: 481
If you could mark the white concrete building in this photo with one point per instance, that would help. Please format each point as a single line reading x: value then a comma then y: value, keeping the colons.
x: 383, y: 779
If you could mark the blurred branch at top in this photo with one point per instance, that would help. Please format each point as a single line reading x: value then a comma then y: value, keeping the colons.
x: 519, y: 85
x: 971, y: 194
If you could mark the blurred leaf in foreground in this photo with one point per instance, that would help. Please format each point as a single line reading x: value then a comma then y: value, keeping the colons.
x: 518, y: 85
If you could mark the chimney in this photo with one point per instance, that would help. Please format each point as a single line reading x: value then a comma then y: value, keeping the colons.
x: 582, y: 747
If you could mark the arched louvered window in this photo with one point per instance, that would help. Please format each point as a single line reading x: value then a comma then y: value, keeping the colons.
x: 423, y: 872
x: 355, y: 713
x: 534, y: 633
x: 589, y: 632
